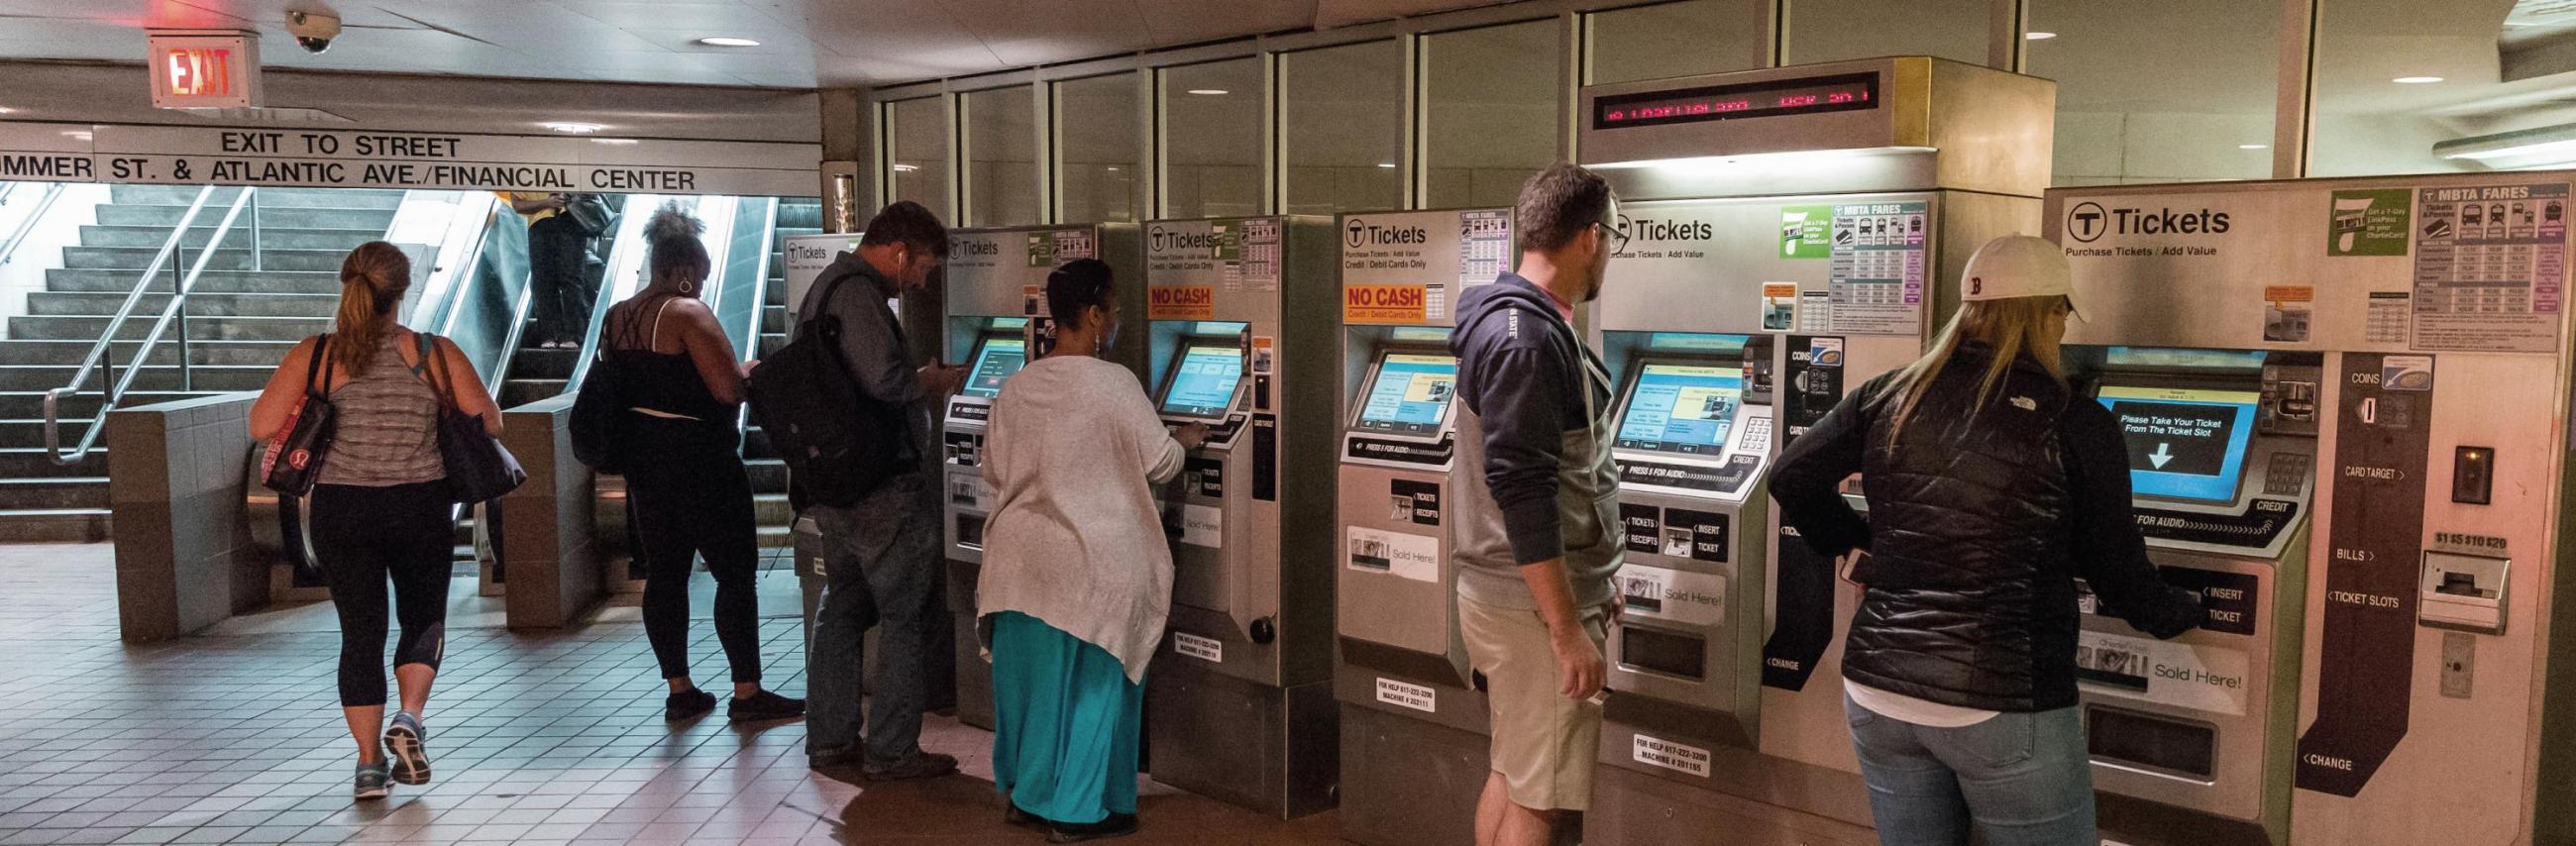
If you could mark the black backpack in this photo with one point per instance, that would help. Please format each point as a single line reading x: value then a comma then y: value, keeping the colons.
x: 839, y: 443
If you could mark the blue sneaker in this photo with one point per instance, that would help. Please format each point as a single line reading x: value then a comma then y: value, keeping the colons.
x: 375, y: 781
x: 403, y: 744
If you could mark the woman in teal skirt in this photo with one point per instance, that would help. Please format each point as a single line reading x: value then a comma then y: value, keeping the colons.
x: 1077, y: 578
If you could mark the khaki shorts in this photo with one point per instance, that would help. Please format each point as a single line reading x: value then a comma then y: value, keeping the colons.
x: 1544, y: 744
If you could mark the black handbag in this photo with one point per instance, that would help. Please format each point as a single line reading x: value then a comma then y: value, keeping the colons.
x: 599, y: 418
x: 293, y: 462
x: 479, y: 469
x: 590, y: 212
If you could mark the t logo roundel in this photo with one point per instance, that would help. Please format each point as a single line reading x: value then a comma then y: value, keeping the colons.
x: 2085, y: 221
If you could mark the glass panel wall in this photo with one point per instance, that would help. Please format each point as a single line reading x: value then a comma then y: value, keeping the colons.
x: 2427, y: 87
x: 1493, y: 116
x: 918, y: 131
x: 1210, y: 138
x: 1096, y: 148
x: 1836, y: 30
x: 1341, y: 117
x: 1001, y: 157
x: 1675, y: 39
x: 2159, y: 92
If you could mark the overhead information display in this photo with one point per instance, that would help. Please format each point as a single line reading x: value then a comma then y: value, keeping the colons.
x: 1681, y: 408
x: 1203, y: 382
x: 2184, y: 443
x: 996, y: 358
x: 1411, y: 393
x: 1844, y: 92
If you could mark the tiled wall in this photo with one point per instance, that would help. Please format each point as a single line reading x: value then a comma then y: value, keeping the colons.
x: 177, y: 475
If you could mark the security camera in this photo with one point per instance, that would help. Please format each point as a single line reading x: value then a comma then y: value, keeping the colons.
x: 313, y: 30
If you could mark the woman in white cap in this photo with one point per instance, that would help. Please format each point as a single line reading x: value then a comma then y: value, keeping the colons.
x: 1992, y: 487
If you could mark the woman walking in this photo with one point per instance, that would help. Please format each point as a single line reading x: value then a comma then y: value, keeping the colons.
x: 380, y: 509
x: 1992, y: 487
x: 1077, y: 577
x: 685, y: 485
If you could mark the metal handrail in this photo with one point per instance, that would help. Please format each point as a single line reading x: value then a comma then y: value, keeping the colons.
x: 760, y: 285
x: 9, y: 248
x: 178, y: 301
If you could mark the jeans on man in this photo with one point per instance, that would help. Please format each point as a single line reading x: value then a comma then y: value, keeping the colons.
x: 560, y: 296
x: 881, y: 559
x: 2016, y: 779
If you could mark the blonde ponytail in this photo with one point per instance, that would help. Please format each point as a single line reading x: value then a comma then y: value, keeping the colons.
x: 372, y: 282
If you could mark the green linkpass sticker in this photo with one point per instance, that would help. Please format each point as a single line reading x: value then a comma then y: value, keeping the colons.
x: 2369, y: 222
x: 1806, y: 232
x: 1041, y: 250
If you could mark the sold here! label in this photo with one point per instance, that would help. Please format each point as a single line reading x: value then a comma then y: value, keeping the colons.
x: 1384, y: 303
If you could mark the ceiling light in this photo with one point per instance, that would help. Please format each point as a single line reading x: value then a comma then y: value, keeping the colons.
x: 2253, y: 146
x: 2416, y: 80
x: 616, y: 141
x: 1389, y: 165
x: 573, y: 127
x: 1209, y: 92
x: 1113, y: 168
x: 6, y: 110
x: 2547, y: 145
x: 81, y: 134
x: 905, y: 168
x: 2039, y: 36
x: 728, y: 41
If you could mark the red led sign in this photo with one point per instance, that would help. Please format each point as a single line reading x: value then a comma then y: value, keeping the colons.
x: 1731, y: 102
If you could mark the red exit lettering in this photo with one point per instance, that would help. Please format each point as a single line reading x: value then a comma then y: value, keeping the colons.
x: 199, y: 71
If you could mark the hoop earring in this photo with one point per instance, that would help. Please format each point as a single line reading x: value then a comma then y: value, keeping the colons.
x: 687, y: 287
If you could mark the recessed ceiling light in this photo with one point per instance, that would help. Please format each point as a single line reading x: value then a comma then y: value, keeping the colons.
x: 6, y: 110
x: 906, y: 168
x: 2253, y: 146
x: 573, y: 127
x: 81, y: 134
x: 2416, y: 80
x: 1386, y: 164
x: 1113, y: 168
x: 2039, y: 36
x: 728, y: 41
x: 1209, y: 92
x: 617, y: 141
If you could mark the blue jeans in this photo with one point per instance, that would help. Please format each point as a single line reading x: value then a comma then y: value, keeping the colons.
x: 2017, y: 779
x: 881, y: 561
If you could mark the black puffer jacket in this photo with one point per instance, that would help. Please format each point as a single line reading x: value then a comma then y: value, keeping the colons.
x: 1979, y: 523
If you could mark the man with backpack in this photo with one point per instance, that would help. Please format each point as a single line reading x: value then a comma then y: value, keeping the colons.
x: 881, y: 561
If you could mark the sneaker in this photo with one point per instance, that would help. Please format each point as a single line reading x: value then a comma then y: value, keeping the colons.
x: 687, y: 705
x: 924, y: 765
x: 410, y: 755
x: 1116, y: 825
x: 762, y: 707
x: 1012, y: 815
x: 853, y: 756
x: 375, y: 781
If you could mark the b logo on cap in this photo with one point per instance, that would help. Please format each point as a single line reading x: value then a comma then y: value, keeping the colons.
x: 1976, y: 285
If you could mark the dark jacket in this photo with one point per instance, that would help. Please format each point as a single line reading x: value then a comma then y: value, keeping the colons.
x: 872, y: 343
x: 1978, y: 526
x: 1533, y: 476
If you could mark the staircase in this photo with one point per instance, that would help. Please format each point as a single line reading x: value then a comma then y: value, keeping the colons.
x: 776, y: 519
x: 240, y: 323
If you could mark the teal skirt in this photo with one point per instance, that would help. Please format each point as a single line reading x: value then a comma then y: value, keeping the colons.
x: 1066, y: 723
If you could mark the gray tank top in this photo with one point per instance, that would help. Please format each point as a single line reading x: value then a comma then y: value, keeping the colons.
x: 388, y: 425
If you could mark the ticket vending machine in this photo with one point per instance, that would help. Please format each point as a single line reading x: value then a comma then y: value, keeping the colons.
x: 1242, y: 335
x: 1413, y: 720
x: 2394, y: 676
x: 1793, y: 233
x: 994, y: 299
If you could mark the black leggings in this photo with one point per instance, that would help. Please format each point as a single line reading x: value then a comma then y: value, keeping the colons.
x: 363, y: 535
x: 691, y: 498
x: 558, y: 279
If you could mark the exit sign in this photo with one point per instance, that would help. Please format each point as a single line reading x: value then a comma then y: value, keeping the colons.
x: 199, y: 70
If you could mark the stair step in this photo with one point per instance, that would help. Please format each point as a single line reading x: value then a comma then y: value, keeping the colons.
x: 539, y: 363
x: 166, y: 216
x: 57, y: 525
x: 75, y: 492
x: 87, y: 304
x: 199, y: 328
x: 213, y: 378
x: 271, y: 237
x: 69, y: 352
x: 768, y: 476
x: 35, y: 463
x: 519, y: 392
x: 773, y: 318
x: 26, y: 405
x: 121, y: 282
x: 138, y: 258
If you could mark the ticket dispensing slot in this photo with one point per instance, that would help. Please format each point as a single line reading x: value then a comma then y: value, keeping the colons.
x: 2222, y: 455
x: 1198, y: 367
x: 999, y: 348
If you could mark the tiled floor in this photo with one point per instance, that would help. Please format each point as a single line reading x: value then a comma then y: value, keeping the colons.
x: 234, y: 736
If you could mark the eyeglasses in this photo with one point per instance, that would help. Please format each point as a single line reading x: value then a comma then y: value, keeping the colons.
x: 1618, y: 233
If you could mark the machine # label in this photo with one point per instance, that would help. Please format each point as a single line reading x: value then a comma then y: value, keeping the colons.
x: 1206, y: 649
x: 1403, y: 695
x: 2178, y: 675
x: 1410, y: 556
x: 1668, y: 755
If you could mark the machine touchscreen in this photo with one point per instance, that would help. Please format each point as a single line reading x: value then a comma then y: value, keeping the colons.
x: 1409, y: 394
x: 2184, y: 442
x: 1202, y: 382
x: 1681, y: 407
x: 996, y: 358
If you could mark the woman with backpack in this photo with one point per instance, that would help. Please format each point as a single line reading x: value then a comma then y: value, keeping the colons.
x: 686, y: 491
x: 381, y: 508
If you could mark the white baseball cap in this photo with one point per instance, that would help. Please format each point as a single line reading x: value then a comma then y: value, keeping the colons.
x: 2016, y: 266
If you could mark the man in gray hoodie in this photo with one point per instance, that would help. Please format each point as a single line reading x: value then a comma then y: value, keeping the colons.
x: 1537, y: 505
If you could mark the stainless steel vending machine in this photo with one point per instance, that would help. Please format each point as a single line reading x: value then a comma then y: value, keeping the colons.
x: 994, y: 301
x: 1412, y: 719
x: 1791, y: 233
x: 2346, y: 403
x: 1243, y: 333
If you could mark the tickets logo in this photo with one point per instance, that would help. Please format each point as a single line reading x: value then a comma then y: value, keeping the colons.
x: 2088, y: 221
x: 1358, y: 232
x: 1168, y: 239
x: 974, y: 247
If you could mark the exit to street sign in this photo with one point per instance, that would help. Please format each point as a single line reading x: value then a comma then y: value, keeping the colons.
x: 198, y: 70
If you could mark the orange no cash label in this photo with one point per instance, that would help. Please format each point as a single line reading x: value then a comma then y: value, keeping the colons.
x: 1384, y: 303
